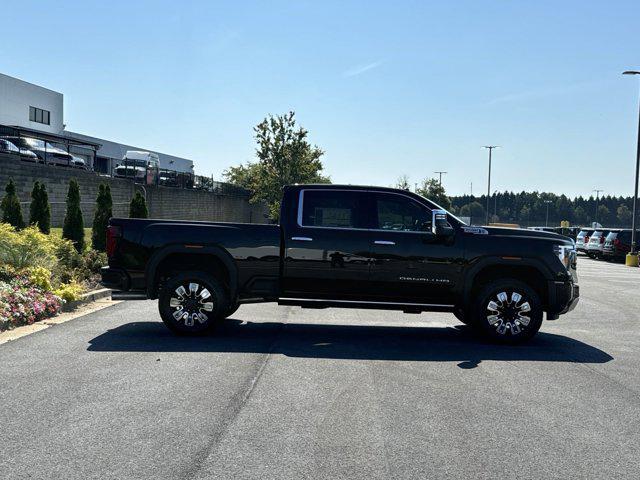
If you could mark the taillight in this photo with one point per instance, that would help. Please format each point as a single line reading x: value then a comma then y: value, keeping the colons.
x: 601, y: 239
x: 616, y: 242
x: 113, y: 234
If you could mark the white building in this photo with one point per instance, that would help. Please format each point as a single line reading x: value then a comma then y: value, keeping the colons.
x: 37, y: 111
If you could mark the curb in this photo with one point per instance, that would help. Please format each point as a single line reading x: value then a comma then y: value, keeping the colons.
x: 91, y: 296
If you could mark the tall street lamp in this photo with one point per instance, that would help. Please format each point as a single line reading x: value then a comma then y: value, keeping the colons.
x: 441, y: 173
x: 633, y: 252
x: 546, y: 220
x: 598, y: 192
x: 490, y: 148
x: 495, y: 203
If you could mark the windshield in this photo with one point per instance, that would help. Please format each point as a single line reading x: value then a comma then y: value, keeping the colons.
x: 133, y: 163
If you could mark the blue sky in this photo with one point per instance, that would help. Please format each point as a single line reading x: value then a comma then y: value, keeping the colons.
x: 385, y: 88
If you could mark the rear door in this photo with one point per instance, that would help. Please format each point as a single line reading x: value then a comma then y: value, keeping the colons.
x: 327, y: 247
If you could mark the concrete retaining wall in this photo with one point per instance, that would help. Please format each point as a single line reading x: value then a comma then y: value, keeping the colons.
x: 163, y: 202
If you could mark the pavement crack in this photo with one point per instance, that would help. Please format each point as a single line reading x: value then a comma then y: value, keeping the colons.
x: 231, y: 412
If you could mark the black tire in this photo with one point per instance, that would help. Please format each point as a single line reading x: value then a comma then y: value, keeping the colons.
x: 508, y: 311
x: 201, y: 298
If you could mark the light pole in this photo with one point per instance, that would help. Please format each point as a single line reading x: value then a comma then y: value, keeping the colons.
x: 490, y: 148
x: 440, y: 173
x: 635, y: 186
x: 546, y: 220
x: 495, y: 203
x: 597, y: 201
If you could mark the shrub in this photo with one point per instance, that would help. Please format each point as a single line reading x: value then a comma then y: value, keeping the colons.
x: 40, y: 210
x: 41, y: 278
x: 73, y: 228
x: 26, y: 248
x: 11, y: 210
x: 138, y: 207
x: 69, y: 292
x: 103, y: 213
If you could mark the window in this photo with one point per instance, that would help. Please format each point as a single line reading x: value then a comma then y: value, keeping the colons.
x: 399, y: 213
x: 39, y: 116
x: 333, y: 209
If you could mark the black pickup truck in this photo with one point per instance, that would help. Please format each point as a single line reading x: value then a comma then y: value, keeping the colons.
x: 346, y: 246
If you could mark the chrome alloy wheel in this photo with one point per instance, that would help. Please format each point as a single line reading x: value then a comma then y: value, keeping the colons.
x: 508, y: 314
x: 191, y: 303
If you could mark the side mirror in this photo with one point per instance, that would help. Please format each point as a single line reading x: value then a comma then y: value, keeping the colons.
x: 440, y: 226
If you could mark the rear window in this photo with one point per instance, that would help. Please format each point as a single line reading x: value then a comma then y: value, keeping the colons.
x: 596, y: 234
x: 612, y: 236
x: 583, y: 233
x: 624, y: 236
x: 333, y: 209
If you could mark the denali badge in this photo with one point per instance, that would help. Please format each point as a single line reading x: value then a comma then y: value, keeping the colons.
x: 475, y: 230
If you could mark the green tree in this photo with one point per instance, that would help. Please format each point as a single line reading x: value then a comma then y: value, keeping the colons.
x: 101, y: 216
x: 473, y: 210
x: 11, y: 210
x: 138, y: 206
x: 40, y: 210
x: 624, y: 215
x: 603, y: 214
x: 579, y: 215
x: 403, y: 183
x: 434, y: 191
x: 73, y: 227
x: 284, y: 156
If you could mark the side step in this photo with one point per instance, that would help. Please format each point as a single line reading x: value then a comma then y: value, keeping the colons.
x: 128, y: 296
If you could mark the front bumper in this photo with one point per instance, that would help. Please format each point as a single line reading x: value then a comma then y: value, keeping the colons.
x: 563, y: 297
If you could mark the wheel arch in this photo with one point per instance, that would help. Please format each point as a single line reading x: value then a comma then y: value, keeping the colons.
x: 530, y: 271
x: 212, y: 259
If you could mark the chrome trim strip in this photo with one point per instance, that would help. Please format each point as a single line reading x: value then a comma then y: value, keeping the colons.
x: 365, y: 302
x: 302, y: 239
x: 384, y: 242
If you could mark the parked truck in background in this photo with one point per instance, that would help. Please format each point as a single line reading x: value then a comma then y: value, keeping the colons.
x: 346, y: 246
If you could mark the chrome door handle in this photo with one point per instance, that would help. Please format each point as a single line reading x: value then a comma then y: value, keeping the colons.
x: 384, y: 242
x: 302, y: 239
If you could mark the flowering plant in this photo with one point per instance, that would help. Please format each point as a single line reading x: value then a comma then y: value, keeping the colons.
x: 22, y: 303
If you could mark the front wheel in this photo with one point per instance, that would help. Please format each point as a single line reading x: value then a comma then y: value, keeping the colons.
x: 508, y: 311
x: 192, y: 303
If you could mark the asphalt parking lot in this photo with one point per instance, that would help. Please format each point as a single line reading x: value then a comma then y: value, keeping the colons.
x: 285, y: 393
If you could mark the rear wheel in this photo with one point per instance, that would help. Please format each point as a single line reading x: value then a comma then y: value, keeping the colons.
x: 192, y: 303
x: 508, y: 311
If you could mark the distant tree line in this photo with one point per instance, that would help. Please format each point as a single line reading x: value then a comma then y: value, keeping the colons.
x: 529, y: 208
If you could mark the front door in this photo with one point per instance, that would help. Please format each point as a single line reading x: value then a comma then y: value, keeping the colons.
x: 327, y: 250
x: 410, y: 264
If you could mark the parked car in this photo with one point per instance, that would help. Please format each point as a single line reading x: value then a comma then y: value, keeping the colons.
x: 346, y: 246
x: 45, y: 151
x: 617, y: 244
x: 582, y: 239
x: 595, y: 247
x: 8, y: 147
x: 142, y: 167
x: 78, y: 162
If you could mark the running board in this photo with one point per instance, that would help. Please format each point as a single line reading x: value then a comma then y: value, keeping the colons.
x: 327, y: 303
x: 128, y: 296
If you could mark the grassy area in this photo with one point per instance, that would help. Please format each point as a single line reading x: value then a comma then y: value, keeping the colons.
x: 87, y: 234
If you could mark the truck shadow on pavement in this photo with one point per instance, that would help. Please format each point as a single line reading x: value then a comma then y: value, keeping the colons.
x: 352, y: 342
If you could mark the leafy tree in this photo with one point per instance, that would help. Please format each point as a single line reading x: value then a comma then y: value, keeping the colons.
x: 11, y: 210
x: 579, y: 215
x: 403, y: 183
x: 138, y: 206
x: 434, y: 191
x: 284, y: 156
x: 40, y: 210
x: 101, y: 216
x: 473, y: 210
x: 624, y: 215
x: 73, y: 227
x: 603, y: 214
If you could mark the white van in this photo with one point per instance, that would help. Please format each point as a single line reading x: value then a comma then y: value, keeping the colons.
x: 141, y: 166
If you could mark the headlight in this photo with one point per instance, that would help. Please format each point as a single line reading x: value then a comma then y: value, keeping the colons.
x: 566, y: 254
